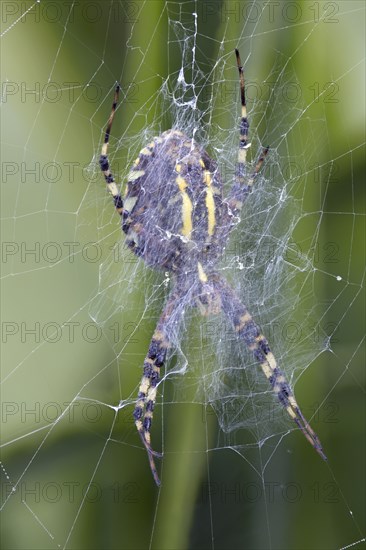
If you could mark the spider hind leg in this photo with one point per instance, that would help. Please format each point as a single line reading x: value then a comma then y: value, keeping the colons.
x: 154, y: 361
x: 249, y: 331
x: 144, y: 409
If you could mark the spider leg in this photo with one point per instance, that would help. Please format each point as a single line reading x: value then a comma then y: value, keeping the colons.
x: 144, y: 408
x: 243, y: 184
x: 250, y: 332
x: 154, y: 360
x: 104, y: 162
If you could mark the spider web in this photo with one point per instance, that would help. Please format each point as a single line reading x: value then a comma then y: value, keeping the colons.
x: 78, y: 310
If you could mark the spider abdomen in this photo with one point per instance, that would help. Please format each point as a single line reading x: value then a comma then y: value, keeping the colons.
x: 173, y: 202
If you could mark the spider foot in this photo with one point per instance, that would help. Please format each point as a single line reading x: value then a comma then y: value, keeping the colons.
x: 154, y: 470
x: 288, y: 401
x: 308, y: 432
x: 151, y: 454
x: 147, y: 444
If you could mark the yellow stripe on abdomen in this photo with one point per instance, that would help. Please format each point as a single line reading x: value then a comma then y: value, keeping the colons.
x: 187, y: 207
x: 210, y: 203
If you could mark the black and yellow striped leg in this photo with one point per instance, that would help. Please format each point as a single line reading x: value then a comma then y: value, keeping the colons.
x: 243, y: 184
x: 154, y: 360
x: 103, y: 160
x: 250, y: 332
x: 244, y: 145
x: 144, y: 409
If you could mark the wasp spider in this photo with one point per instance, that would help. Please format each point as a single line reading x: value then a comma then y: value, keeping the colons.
x: 176, y: 218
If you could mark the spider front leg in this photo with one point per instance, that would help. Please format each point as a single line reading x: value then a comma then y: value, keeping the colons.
x: 243, y: 184
x: 249, y: 331
x: 154, y: 361
x: 104, y: 162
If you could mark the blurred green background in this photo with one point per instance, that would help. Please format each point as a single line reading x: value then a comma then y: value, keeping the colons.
x: 84, y: 481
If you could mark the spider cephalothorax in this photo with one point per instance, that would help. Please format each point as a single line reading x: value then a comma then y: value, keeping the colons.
x: 176, y: 218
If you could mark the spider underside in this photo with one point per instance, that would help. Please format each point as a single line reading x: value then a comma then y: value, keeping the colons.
x: 176, y: 219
